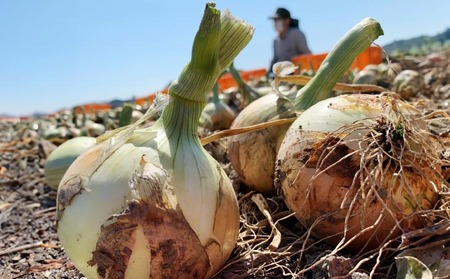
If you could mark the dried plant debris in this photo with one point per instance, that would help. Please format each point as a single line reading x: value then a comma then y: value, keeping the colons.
x: 29, y: 246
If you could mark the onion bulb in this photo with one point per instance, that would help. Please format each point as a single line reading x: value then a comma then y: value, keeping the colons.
x: 365, y: 77
x: 206, y: 122
x: 62, y: 157
x: 151, y: 202
x: 408, y: 83
x: 252, y: 155
x: 358, y: 169
x: 221, y: 114
x: 388, y: 71
x: 135, y: 116
x: 95, y: 129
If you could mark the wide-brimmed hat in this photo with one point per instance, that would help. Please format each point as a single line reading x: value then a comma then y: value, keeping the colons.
x: 281, y: 13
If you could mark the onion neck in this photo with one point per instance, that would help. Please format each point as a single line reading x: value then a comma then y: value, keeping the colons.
x: 189, y: 92
x: 337, y: 62
x: 182, y: 116
x: 200, y: 74
x: 217, y: 42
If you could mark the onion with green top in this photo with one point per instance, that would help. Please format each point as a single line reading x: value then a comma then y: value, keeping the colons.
x: 359, y: 170
x: 151, y: 202
x: 253, y: 155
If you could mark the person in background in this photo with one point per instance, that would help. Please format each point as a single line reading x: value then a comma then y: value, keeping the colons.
x: 290, y: 41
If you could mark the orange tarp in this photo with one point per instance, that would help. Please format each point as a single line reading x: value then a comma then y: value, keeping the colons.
x: 92, y: 108
x: 371, y: 55
x: 227, y: 81
x: 149, y: 98
x: 145, y: 100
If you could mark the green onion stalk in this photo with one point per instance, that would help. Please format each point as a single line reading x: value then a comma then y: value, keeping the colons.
x: 248, y: 93
x: 151, y: 202
x: 253, y: 155
x: 125, y: 115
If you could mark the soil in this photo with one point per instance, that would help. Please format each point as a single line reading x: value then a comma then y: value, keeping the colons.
x: 29, y: 245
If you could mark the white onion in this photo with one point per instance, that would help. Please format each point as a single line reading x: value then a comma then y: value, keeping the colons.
x: 152, y: 202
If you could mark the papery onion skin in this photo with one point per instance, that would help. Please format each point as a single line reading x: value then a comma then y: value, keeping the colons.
x: 318, y: 174
x: 206, y: 122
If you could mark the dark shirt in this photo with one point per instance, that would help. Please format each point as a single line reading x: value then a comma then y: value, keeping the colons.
x: 292, y: 43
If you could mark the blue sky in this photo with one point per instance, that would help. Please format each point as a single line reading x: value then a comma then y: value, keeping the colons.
x: 59, y: 53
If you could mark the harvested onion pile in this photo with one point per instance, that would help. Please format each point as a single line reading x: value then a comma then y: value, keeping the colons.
x: 360, y: 179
